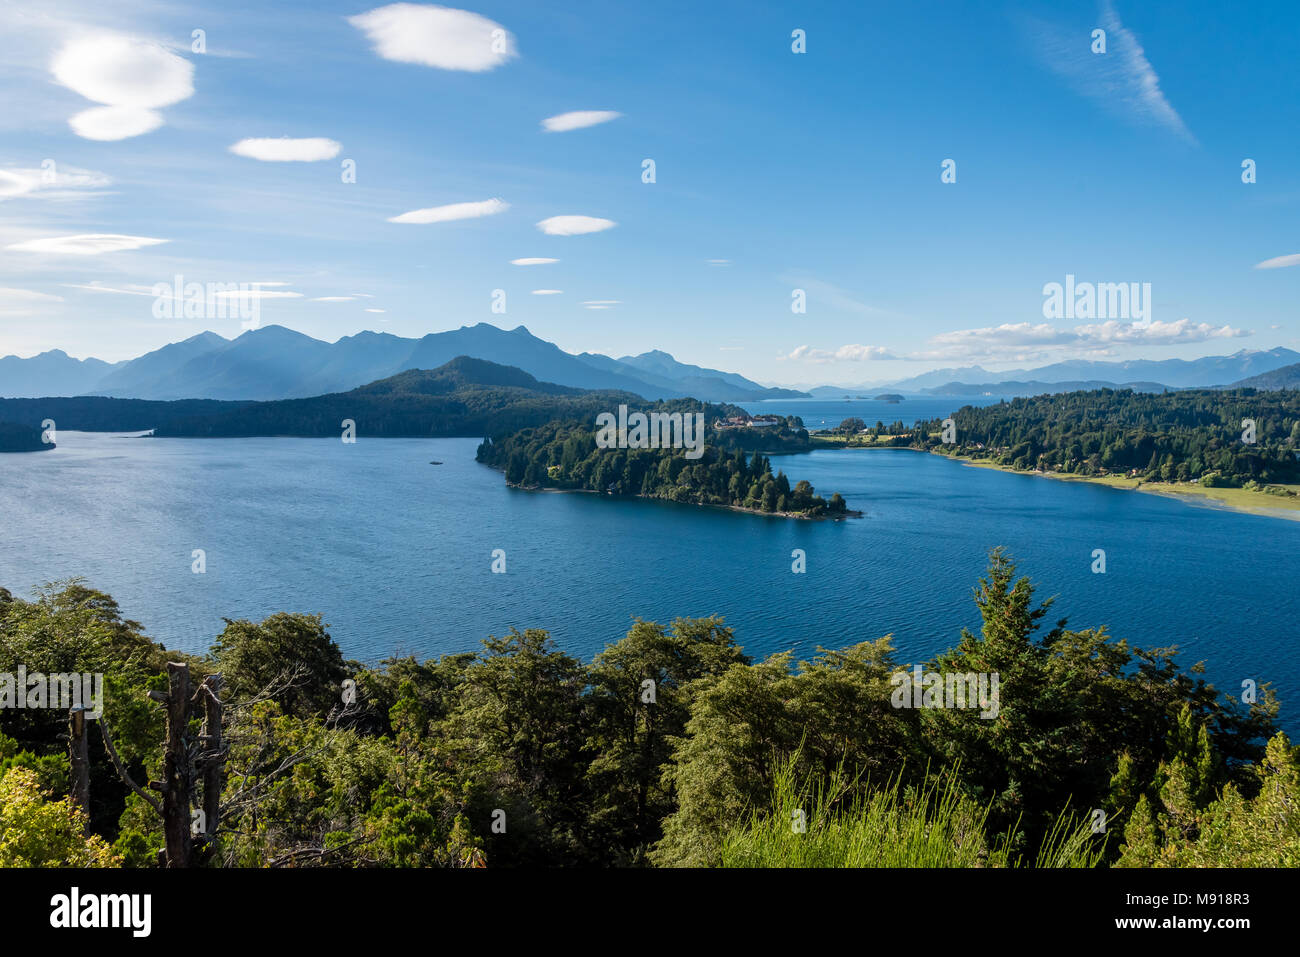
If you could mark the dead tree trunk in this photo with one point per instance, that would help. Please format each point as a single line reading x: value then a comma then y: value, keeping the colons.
x: 79, y: 758
x: 212, y: 761
x: 177, y: 771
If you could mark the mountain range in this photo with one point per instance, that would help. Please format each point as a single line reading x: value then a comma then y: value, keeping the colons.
x: 1015, y: 387
x: 273, y: 362
x: 1140, y: 374
x: 1287, y: 377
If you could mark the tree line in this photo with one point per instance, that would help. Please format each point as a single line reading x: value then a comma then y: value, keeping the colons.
x: 672, y: 747
x: 1237, y: 437
x: 565, y: 455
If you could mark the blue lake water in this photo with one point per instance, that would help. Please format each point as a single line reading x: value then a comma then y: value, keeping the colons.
x: 396, y: 553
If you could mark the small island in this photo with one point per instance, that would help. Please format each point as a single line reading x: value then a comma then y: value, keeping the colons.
x: 893, y: 398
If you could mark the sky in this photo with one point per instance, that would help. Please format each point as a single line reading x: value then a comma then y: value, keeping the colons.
x: 356, y: 166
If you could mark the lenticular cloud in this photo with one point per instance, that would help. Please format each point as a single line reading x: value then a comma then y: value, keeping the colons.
x: 436, y: 36
x: 285, y: 150
x: 133, y: 78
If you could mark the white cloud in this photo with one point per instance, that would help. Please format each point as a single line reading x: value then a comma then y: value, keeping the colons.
x: 285, y: 150
x: 376, y: 310
x: 1027, y: 341
x: 132, y: 77
x: 335, y: 299
x: 574, y: 225
x: 8, y: 295
x: 718, y: 262
x: 256, y: 294
x: 532, y: 262
x: 128, y: 290
x: 1095, y: 334
x: 1279, y: 262
x: 1156, y: 333
x: 577, y: 120
x: 444, y: 214
x: 600, y: 303
x: 49, y: 183
x: 110, y: 123
x: 436, y: 36
x: 547, y: 292
x: 89, y: 244
x: 848, y: 353
x: 1121, y: 79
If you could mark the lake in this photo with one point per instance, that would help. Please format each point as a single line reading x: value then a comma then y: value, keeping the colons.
x: 396, y: 553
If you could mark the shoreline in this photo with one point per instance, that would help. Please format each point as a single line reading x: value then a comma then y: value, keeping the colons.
x: 847, y: 514
x: 1241, y: 501
x: 1238, y: 500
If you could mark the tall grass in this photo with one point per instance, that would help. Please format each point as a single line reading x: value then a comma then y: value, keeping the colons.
x: 928, y: 825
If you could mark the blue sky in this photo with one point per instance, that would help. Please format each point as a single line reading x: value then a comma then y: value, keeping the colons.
x: 817, y: 171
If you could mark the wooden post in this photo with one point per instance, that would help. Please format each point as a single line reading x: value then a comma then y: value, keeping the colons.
x: 175, y: 785
x: 214, y: 758
x: 79, y: 758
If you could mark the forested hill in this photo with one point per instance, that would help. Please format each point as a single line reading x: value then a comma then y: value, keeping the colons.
x: 1287, y: 377
x: 463, y: 397
x: 1177, y: 436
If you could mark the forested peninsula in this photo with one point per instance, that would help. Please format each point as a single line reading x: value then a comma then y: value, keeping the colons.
x: 565, y: 456
x: 21, y: 438
x: 1240, y: 447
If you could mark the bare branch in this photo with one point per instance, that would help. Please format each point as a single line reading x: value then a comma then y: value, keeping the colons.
x: 121, y: 771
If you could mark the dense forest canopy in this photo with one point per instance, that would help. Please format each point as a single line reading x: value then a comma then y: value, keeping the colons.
x: 671, y: 747
x: 1193, y: 435
x: 22, y: 438
x: 566, y: 455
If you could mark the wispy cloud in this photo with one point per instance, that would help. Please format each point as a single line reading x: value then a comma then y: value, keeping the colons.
x: 821, y: 292
x: 1279, y: 262
x: 436, y: 36
x: 52, y: 182
x: 8, y: 295
x: 547, y: 292
x: 89, y: 244
x: 1122, y: 79
x: 256, y: 295
x: 444, y: 214
x: 285, y: 150
x: 577, y: 120
x: 129, y: 289
x: 532, y: 262
x: 574, y: 225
